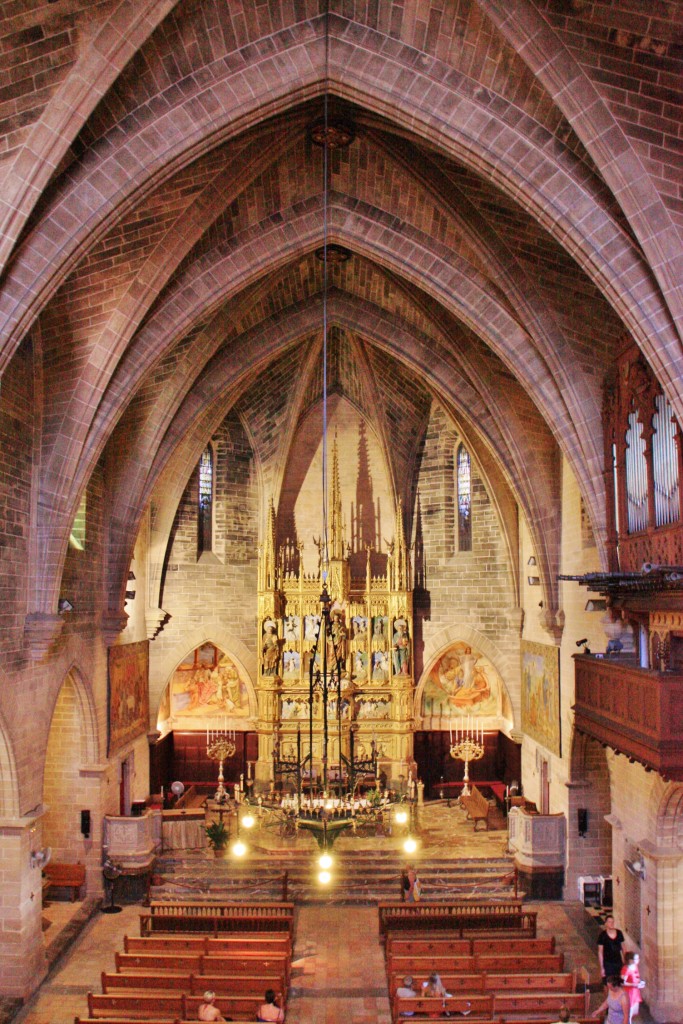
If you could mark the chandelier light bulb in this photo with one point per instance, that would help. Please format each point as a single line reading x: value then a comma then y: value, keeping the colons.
x: 410, y: 846
x: 248, y: 821
x: 324, y: 877
x: 325, y: 861
x: 239, y: 849
x: 401, y: 817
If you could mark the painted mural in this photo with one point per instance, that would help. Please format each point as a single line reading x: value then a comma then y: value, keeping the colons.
x: 541, y: 694
x: 461, y: 682
x: 208, y: 683
x: 128, y: 693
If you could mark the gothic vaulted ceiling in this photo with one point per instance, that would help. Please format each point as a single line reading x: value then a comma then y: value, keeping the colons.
x: 511, y: 204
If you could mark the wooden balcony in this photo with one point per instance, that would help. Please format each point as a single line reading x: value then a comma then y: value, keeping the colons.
x: 636, y: 711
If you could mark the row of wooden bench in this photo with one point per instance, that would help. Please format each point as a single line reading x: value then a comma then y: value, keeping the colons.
x: 464, y: 918
x: 235, y: 962
x: 270, y: 942
x: 215, y: 918
x: 428, y: 943
x: 494, y: 982
x: 489, y: 1005
x: 171, y: 1005
x: 195, y: 984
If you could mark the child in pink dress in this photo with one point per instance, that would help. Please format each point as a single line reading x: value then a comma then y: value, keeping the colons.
x: 630, y: 973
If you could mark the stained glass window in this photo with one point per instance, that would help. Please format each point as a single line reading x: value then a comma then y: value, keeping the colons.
x: 206, y: 500
x: 464, y: 479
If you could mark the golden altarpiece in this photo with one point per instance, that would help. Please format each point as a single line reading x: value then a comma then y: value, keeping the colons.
x: 372, y: 635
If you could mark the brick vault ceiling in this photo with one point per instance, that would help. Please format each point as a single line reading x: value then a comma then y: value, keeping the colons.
x: 161, y: 205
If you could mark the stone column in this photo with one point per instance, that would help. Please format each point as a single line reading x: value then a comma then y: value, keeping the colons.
x: 93, y: 795
x: 22, y: 953
x: 662, y: 930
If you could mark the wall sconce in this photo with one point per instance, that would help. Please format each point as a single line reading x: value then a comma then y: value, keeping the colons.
x: 534, y: 581
x: 532, y: 560
x: 596, y: 604
x: 64, y: 606
x: 39, y: 858
x: 636, y: 867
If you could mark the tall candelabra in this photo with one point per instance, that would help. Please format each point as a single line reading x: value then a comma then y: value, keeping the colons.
x: 468, y: 746
x: 219, y: 747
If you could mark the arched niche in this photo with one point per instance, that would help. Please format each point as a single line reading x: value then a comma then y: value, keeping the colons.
x: 208, y: 688
x: 72, y: 743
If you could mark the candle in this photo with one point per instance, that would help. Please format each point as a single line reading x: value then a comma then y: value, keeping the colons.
x: 450, y: 726
x: 207, y: 737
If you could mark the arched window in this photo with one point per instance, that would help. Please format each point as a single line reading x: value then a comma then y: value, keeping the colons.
x: 77, y: 538
x: 636, y: 475
x: 205, y: 517
x: 464, y: 490
x: 665, y: 464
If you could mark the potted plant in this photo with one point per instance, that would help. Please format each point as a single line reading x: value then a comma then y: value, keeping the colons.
x: 218, y: 835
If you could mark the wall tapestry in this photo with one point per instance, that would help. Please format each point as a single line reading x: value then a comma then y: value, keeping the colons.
x: 208, y: 683
x: 128, y: 694
x: 461, y: 682
x: 541, y: 694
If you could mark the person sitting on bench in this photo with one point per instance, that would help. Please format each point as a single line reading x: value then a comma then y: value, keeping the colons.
x: 207, y: 1010
x: 269, y: 1010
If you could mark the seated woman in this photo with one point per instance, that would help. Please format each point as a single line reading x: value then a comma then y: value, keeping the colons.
x: 207, y: 1010
x: 269, y: 1010
x: 434, y: 987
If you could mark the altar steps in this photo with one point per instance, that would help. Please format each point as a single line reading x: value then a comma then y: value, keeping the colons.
x: 362, y: 876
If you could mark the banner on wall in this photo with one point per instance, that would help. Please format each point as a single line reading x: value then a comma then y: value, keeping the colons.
x: 128, y: 685
x: 541, y: 694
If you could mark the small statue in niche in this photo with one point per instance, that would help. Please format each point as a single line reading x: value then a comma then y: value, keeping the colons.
x: 270, y: 648
x: 311, y: 624
x: 291, y: 629
x: 336, y: 652
x: 401, y: 648
x: 379, y: 628
x: 360, y: 627
x: 380, y: 667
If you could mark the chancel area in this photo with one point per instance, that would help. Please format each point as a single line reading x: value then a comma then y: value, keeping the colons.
x: 340, y: 426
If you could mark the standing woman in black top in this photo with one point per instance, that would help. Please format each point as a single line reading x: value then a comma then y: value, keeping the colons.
x: 610, y: 950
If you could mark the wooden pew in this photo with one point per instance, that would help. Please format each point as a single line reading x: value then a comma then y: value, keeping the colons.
x: 237, y: 1007
x: 402, y: 965
x: 537, y: 1002
x: 217, y: 917
x: 517, y: 946
x: 477, y: 807
x: 130, y: 963
x: 64, y: 876
x: 240, y: 942
x: 519, y: 963
x: 441, y: 945
x: 199, y: 963
x: 155, y: 1006
x: 550, y: 963
x: 477, y: 1005
x: 171, y: 1006
x: 453, y: 983
x: 192, y: 983
x: 461, y: 918
x: 521, y: 983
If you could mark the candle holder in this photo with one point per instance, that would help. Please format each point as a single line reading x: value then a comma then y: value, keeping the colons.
x: 467, y: 749
x: 219, y: 749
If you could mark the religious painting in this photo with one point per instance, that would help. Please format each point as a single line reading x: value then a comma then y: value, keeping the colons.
x: 291, y: 664
x: 462, y: 682
x: 541, y: 694
x: 208, y: 683
x: 128, y: 694
x: 378, y: 707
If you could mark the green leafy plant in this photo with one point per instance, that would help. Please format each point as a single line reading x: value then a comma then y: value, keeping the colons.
x: 217, y: 834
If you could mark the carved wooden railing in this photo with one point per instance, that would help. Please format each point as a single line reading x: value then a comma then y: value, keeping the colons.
x: 458, y: 917
x: 217, y: 917
x: 638, y: 712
